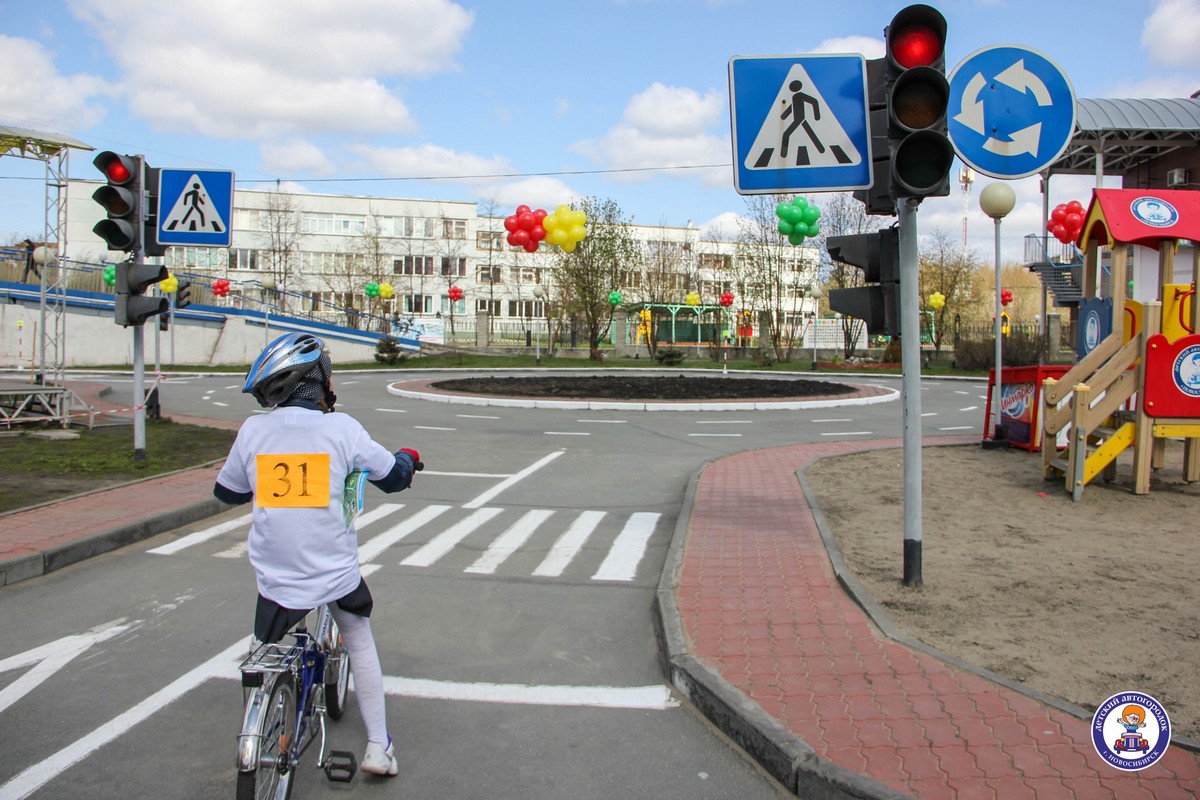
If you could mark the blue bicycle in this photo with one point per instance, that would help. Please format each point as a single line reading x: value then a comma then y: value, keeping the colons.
x: 289, y: 688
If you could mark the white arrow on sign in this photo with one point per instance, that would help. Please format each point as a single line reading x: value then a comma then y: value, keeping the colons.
x: 1022, y: 141
x: 972, y: 107
x: 1023, y: 80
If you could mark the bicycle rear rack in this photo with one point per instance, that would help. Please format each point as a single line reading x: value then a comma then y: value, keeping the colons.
x: 274, y: 658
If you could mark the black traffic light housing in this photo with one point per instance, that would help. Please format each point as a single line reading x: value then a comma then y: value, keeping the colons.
x: 150, y: 238
x: 908, y: 99
x: 878, y: 256
x: 121, y: 198
x: 133, y: 279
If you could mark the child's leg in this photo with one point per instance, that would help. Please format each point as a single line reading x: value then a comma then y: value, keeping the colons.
x: 368, y: 675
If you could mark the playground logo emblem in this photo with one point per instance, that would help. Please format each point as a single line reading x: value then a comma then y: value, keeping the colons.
x: 1186, y: 370
x: 1091, y: 334
x: 1155, y: 212
x: 1131, y: 731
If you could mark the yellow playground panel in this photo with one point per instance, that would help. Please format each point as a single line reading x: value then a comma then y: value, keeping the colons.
x: 1139, y: 385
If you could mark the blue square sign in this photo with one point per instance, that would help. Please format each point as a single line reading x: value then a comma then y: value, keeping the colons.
x: 195, y: 207
x: 799, y: 123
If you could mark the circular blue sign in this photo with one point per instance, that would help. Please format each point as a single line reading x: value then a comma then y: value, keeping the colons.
x: 1011, y: 111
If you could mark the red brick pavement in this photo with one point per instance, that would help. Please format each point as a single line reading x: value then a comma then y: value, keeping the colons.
x: 761, y: 605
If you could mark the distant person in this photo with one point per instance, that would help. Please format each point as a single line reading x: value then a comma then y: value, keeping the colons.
x: 30, y: 264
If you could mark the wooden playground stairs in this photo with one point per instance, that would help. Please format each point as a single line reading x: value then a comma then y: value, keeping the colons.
x: 1090, y: 401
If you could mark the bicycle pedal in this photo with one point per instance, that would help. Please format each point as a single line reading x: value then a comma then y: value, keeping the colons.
x: 340, y: 766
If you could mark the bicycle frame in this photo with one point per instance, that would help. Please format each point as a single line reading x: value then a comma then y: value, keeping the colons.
x: 308, y: 662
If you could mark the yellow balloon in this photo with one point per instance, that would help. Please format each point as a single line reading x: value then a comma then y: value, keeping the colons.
x: 562, y: 211
x: 385, y: 290
x: 550, y: 223
x: 169, y: 285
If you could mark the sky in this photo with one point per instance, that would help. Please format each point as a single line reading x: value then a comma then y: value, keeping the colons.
x: 507, y: 103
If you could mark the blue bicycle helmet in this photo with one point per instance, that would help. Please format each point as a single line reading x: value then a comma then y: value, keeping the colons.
x: 293, y: 364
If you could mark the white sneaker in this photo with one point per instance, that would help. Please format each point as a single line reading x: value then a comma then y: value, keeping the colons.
x: 379, y: 761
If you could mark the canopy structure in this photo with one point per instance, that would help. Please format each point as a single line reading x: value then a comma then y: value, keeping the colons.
x: 1117, y: 136
x: 52, y: 149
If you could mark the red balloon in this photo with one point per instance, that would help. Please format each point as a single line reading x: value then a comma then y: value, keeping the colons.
x: 537, y: 233
x: 1059, y: 213
x: 531, y: 246
x: 519, y: 238
x: 510, y: 223
x: 523, y: 210
x: 511, y: 243
x: 540, y: 215
x: 1074, y: 207
x: 525, y: 220
x: 1073, y: 222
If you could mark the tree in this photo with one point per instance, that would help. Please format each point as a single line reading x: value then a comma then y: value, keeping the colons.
x: 945, y: 268
x: 594, y: 269
x: 768, y: 273
x: 282, y: 221
x: 663, y: 273
x: 842, y: 215
x: 373, y: 256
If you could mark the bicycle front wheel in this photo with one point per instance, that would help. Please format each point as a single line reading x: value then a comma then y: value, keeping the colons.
x: 335, y: 692
x: 268, y: 781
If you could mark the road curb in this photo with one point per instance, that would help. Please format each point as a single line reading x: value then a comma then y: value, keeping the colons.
x: 785, y: 756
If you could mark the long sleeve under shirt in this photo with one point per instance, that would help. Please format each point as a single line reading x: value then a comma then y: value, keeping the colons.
x: 294, y: 462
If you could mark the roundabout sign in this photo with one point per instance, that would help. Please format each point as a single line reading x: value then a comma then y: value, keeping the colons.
x: 1011, y: 111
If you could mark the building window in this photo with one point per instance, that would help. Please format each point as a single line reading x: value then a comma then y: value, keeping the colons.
x: 491, y: 306
x: 413, y: 265
x: 418, y: 304
x: 454, y: 229
x: 242, y: 258
x: 454, y: 266
x: 525, y: 308
x: 488, y: 275
x: 490, y: 240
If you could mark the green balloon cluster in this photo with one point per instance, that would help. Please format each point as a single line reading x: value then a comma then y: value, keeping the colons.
x: 110, y: 274
x: 615, y: 298
x: 372, y: 289
x: 798, y: 219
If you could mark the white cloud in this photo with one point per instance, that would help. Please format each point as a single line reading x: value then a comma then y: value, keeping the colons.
x: 426, y: 161
x: 868, y: 46
x: 254, y: 70
x: 295, y: 156
x: 1170, y: 34
x: 1160, y: 86
x: 663, y: 126
x: 41, y: 98
x: 537, y: 192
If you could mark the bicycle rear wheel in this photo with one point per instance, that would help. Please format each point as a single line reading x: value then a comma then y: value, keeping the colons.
x: 336, y: 692
x: 266, y: 781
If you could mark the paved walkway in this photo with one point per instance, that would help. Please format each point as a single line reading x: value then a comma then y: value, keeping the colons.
x: 758, y: 632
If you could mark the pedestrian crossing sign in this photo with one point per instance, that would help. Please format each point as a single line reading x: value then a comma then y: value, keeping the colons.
x: 800, y: 123
x: 195, y: 207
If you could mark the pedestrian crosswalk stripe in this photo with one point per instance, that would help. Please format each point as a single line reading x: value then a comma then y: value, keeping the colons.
x: 445, y: 541
x: 200, y: 536
x: 377, y: 544
x: 508, y: 542
x: 627, y: 551
x: 569, y: 544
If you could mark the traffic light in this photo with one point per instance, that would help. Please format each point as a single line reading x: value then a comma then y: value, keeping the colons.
x: 132, y: 305
x: 121, y: 198
x: 908, y: 99
x: 878, y: 256
x: 183, y: 295
x: 150, y: 239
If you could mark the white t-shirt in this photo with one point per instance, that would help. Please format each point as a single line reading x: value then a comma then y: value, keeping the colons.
x: 302, y: 551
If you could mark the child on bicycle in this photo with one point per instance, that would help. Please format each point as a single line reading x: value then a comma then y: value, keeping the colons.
x: 293, y: 463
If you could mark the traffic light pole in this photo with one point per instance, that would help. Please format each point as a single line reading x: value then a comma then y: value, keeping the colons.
x: 910, y: 356
x: 139, y: 382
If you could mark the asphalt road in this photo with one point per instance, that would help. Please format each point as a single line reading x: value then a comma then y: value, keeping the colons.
x: 513, y: 612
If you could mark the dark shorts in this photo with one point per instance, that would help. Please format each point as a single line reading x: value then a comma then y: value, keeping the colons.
x: 272, y: 621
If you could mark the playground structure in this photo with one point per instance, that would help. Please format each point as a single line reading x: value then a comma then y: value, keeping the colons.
x: 1137, y: 381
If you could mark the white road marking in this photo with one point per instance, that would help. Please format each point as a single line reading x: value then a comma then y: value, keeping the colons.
x: 604, y: 421
x: 509, y: 542
x: 960, y: 391
x: 239, y: 550
x: 566, y: 433
x: 235, y: 386
x: 222, y: 405
x: 724, y: 422
x: 377, y: 544
x: 513, y: 479
x: 432, y: 428
x: 647, y: 698
x: 475, y: 416
x: 626, y: 553
x: 393, y: 410
x: 929, y: 414
x: 569, y: 544
x: 445, y: 541
x: 200, y: 536
x: 50, y: 658
x: 840, y: 419
x: 959, y: 428
x: 735, y: 435
x: 426, y: 473
x: 847, y: 433
x: 970, y: 408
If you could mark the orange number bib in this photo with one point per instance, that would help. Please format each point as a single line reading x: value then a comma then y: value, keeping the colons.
x: 292, y: 480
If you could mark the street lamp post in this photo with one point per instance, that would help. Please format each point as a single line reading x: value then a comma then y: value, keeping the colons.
x: 997, y: 200
x: 538, y: 293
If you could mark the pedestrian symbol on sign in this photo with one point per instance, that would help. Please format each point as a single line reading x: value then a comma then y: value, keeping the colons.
x: 194, y: 211
x: 798, y: 106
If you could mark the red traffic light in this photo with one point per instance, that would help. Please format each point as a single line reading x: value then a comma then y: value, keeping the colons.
x: 118, y: 169
x: 917, y: 37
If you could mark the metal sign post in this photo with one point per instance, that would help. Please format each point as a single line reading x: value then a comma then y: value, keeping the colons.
x: 910, y: 357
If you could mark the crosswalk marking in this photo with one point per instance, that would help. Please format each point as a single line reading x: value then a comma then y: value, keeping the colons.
x: 377, y: 544
x: 445, y: 541
x: 624, y: 547
x: 626, y: 553
x: 569, y: 544
x: 508, y: 542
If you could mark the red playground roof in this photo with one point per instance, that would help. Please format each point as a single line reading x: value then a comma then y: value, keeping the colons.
x: 1141, y: 216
